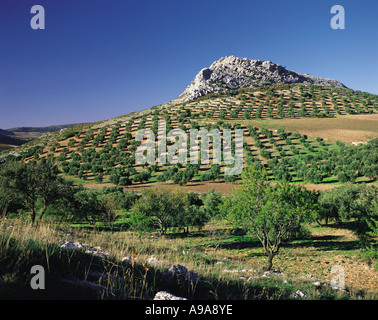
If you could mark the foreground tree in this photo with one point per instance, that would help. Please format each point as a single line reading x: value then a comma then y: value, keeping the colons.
x: 29, y: 182
x: 274, y: 214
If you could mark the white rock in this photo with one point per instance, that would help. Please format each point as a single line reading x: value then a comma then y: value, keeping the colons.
x: 298, y: 294
x: 154, y: 261
x: 78, y: 245
x: 310, y: 276
x: 68, y: 245
x: 274, y: 273
x: 164, y: 295
x: 233, y: 72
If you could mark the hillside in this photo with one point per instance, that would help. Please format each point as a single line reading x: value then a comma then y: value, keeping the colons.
x: 8, y: 142
x: 298, y: 126
x: 43, y: 129
x: 13, y: 137
x: 104, y: 154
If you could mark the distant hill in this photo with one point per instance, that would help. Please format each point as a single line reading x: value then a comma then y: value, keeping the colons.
x: 43, y: 129
x: 6, y: 132
x: 5, y: 139
x: 18, y: 136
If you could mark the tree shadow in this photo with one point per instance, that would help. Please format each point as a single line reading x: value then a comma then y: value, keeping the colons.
x: 240, y: 245
x: 325, y: 243
x: 190, y: 234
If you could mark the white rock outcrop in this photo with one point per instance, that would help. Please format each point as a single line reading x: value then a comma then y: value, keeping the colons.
x: 98, y: 251
x: 233, y: 73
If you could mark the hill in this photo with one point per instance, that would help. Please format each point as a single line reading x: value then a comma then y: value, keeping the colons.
x: 6, y: 132
x: 296, y: 125
x: 104, y: 153
x: 43, y: 129
x: 18, y: 136
x: 8, y: 142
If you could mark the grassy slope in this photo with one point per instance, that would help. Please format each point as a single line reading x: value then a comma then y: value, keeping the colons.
x: 233, y: 271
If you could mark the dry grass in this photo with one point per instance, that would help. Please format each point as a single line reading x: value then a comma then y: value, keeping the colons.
x: 346, y: 128
x: 237, y: 258
x: 198, y: 186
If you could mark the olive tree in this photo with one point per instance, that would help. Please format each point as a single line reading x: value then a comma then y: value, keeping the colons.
x: 273, y: 213
x: 161, y: 206
x: 34, y: 181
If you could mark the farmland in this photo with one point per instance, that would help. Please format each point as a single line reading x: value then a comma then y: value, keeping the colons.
x: 293, y: 131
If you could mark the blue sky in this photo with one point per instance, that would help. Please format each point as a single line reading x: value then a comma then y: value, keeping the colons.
x: 100, y: 59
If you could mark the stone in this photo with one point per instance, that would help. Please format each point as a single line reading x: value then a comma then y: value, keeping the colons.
x: 68, y: 245
x: 273, y: 272
x: 78, y: 245
x: 298, y: 294
x: 129, y: 259
x: 98, y: 251
x: 164, y: 295
x: 155, y: 261
x: 310, y: 276
x: 105, y: 276
x: 179, y: 270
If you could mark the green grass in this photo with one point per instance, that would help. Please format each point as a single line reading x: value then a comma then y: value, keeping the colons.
x: 221, y: 270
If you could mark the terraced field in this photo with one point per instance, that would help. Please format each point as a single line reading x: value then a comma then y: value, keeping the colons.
x: 292, y: 130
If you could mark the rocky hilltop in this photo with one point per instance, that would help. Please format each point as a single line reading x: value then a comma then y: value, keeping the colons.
x: 233, y: 73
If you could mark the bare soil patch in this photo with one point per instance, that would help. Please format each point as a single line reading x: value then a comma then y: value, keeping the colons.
x: 199, y: 187
x: 347, y: 128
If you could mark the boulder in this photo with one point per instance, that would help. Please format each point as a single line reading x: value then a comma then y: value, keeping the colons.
x: 180, y: 271
x: 298, y: 294
x: 164, y: 295
x: 129, y: 259
x: 68, y: 245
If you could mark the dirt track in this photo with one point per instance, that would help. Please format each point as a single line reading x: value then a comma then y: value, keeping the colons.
x: 201, y: 187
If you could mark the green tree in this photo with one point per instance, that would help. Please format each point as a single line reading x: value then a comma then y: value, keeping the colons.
x: 162, y: 206
x: 211, y: 202
x: 272, y: 213
x: 357, y: 202
x: 87, y: 206
x: 29, y: 182
x: 109, y: 209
